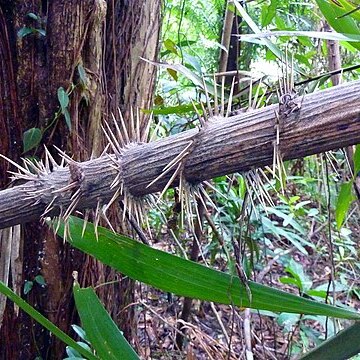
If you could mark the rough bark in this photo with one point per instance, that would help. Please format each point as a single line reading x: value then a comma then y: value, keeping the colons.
x: 326, y: 120
x: 32, y: 70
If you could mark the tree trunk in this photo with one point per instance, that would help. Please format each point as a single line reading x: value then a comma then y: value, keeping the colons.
x: 91, y: 49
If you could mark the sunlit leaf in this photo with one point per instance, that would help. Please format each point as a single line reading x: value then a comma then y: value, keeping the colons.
x: 170, y: 46
x: 311, y: 34
x: 268, y: 14
x: 333, y: 15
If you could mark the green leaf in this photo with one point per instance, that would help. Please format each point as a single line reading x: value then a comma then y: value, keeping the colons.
x: 264, y: 41
x: 31, y: 138
x: 343, y: 203
x: 67, y: 118
x: 344, y: 25
x: 185, y: 278
x: 170, y: 46
x: 173, y: 74
x: 179, y: 109
x: 104, y: 336
x: 23, y: 305
x: 24, y: 31
x: 33, y: 16
x: 82, y: 73
x: 180, y: 44
x: 350, y: 9
x: 28, y: 286
x: 312, y: 34
x: 42, y: 32
x: 356, y: 160
x: 343, y: 345
x: 192, y: 76
x: 268, y: 14
x: 80, y: 332
x: 63, y: 98
x: 40, y: 280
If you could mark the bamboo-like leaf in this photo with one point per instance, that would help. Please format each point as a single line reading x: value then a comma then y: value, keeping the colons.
x: 23, y: 305
x: 312, y: 34
x: 342, y: 346
x: 186, y: 278
x: 100, y: 329
x: 270, y: 45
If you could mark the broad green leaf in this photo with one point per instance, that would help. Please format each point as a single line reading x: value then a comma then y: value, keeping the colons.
x: 343, y: 345
x: 343, y: 203
x: 63, y: 98
x: 186, y: 278
x: 23, y: 305
x: 103, y: 334
x: 31, y: 138
x: 344, y: 25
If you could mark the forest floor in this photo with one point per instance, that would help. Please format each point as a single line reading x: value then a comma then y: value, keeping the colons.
x: 215, y: 331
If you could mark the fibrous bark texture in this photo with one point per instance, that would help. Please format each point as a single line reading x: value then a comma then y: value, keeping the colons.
x: 326, y: 120
x: 90, y: 49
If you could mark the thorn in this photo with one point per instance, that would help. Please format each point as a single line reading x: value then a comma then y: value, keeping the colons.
x: 111, y: 139
x: 96, y: 220
x: 118, y: 131
x: 179, y: 157
x: 138, y: 136
x: 145, y: 135
x: 86, y: 218
x: 154, y: 133
x: 216, y: 105
x: 126, y: 135
x: 200, y: 118
x: 170, y: 181
x: 132, y: 125
x: 22, y: 169
x: 230, y: 98
x: 223, y: 96
x: 207, y: 98
x: 64, y: 157
x: 49, y: 157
